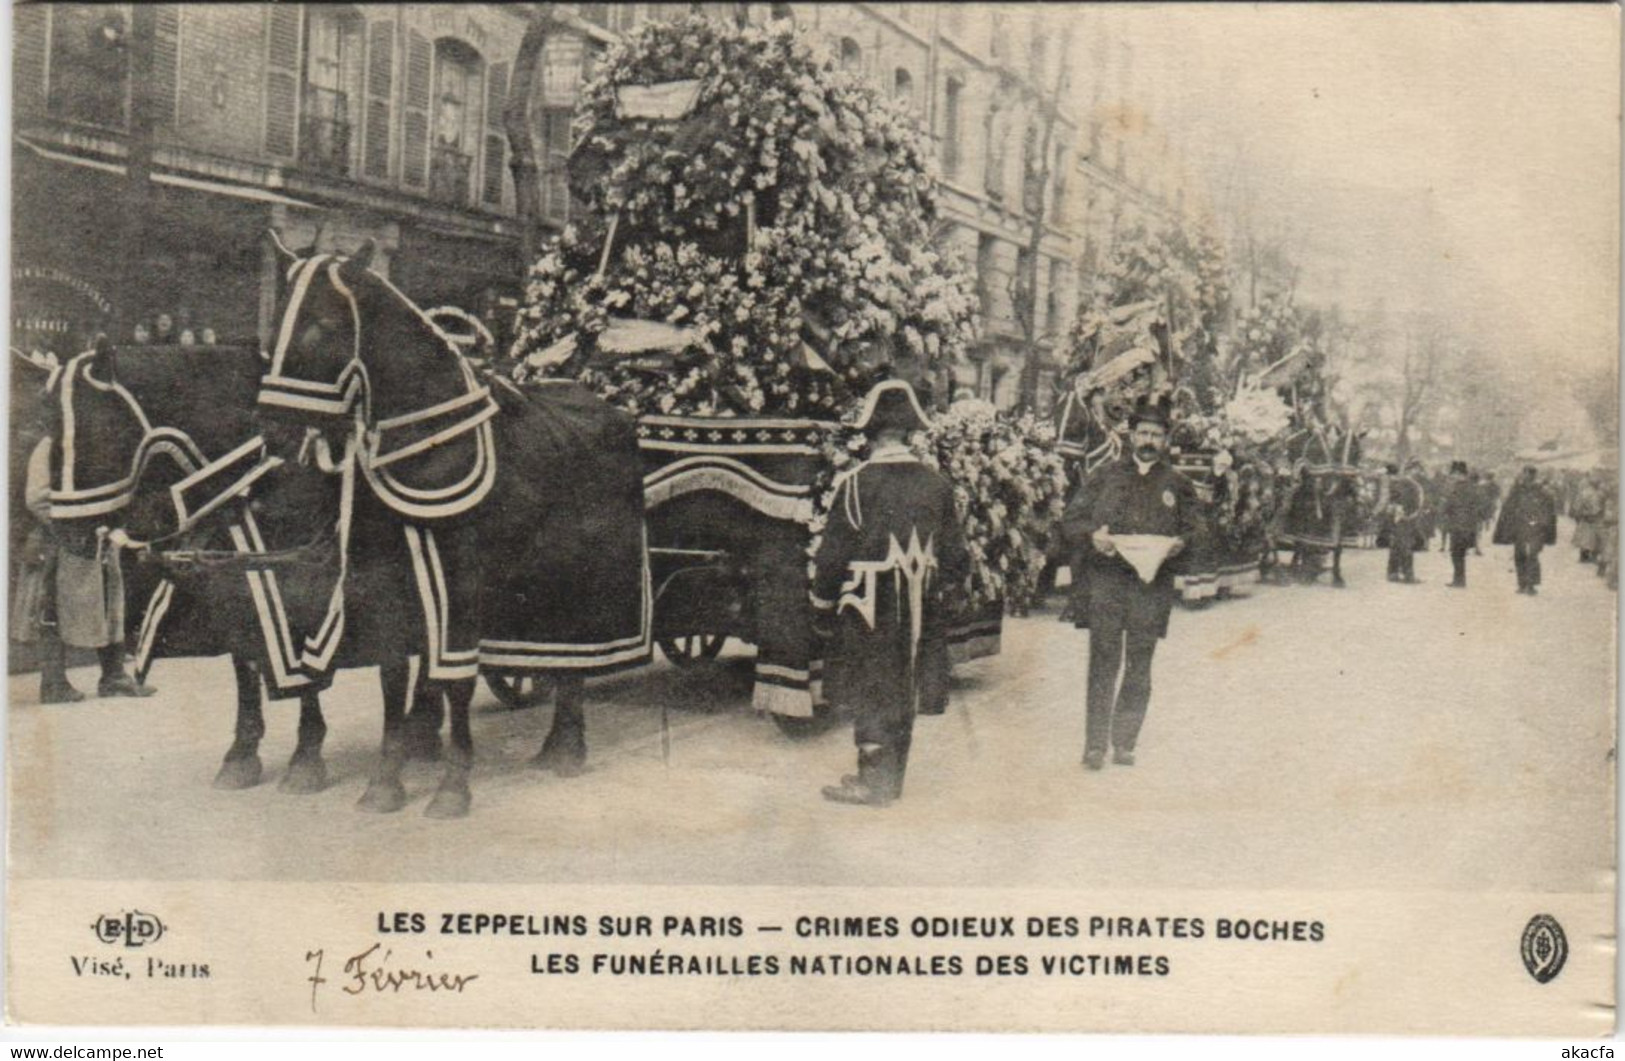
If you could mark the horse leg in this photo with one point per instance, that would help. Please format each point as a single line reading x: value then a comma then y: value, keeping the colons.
x: 307, y: 770
x: 385, y: 793
x: 423, y: 722
x: 242, y: 768
x: 452, y: 798
x: 565, y: 750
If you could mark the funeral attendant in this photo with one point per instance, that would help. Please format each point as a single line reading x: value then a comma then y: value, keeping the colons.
x: 1460, y: 520
x: 891, y: 546
x: 1139, y: 494
x: 1528, y: 523
x: 72, y: 594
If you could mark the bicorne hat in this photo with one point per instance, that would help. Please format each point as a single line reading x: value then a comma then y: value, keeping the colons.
x: 1150, y: 411
x: 892, y: 405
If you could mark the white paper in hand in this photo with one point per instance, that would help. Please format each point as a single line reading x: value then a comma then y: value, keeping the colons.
x: 1144, y: 552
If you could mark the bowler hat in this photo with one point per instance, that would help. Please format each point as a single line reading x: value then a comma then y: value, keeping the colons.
x: 891, y: 405
x: 1149, y: 411
x: 1458, y: 467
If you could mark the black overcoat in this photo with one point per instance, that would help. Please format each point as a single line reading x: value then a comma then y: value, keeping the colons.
x: 1528, y: 517
x: 891, y: 546
x: 1118, y: 497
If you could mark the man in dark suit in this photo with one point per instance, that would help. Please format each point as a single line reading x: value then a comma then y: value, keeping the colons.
x: 1139, y: 494
x: 1405, y: 503
x: 1528, y: 523
x: 891, y: 546
x: 1460, y: 522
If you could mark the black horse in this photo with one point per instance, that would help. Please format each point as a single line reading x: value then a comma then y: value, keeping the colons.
x: 1320, y: 514
x: 156, y: 450
x: 483, y: 525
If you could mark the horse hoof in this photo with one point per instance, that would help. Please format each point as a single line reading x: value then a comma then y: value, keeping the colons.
x: 383, y: 797
x: 452, y: 802
x: 561, y: 763
x: 305, y: 777
x: 238, y: 774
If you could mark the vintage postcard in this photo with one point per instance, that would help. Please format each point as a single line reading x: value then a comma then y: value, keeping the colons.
x: 871, y: 516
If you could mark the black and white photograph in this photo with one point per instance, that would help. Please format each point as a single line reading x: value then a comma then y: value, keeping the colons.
x: 817, y: 516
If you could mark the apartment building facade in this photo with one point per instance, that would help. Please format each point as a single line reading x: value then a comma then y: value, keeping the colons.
x: 382, y: 121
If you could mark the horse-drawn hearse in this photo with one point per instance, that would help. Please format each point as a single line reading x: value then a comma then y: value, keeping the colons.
x: 366, y: 497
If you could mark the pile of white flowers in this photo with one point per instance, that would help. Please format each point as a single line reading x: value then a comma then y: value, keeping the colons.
x: 838, y: 275
x: 1255, y: 416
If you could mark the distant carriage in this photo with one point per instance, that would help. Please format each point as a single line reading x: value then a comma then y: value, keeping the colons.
x: 1322, y: 513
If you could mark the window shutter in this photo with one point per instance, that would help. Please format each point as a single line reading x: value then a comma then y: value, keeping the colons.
x: 380, y: 86
x: 282, y: 80
x: 166, y: 58
x: 31, y: 29
x: 415, y: 126
x: 496, y: 141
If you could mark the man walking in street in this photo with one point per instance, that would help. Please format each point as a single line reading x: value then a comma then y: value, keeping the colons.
x: 891, y: 545
x: 1138, y: 495
x: 1401, y: 518
x: 1460, y: 520
x: 1587, y: 512
x: 1528, y: 522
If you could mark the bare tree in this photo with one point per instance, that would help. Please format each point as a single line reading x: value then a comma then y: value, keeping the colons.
x: 1598, y: 394
x: 1420, y: 382
x: 516, y: 122
x: 1024, y: 286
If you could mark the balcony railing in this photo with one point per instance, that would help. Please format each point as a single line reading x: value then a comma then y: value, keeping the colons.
x: 325, y: 131
x: 449, y: 174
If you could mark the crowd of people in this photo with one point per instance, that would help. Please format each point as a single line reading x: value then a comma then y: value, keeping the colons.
x: 1419, y: 511
x: 173, y: 329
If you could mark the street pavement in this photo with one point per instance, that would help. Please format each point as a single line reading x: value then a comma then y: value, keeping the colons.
x: 1378, y: 736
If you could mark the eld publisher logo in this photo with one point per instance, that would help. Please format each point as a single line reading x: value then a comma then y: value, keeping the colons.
x: 131, y: 928
x: 1545, y: 948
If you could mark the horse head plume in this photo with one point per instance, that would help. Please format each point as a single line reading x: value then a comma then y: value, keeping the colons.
x: 360, y: 261
x: 104, y: 360
x: 285, y: 258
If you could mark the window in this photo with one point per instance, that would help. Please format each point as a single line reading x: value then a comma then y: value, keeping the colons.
x: 1038, y: 52
x: 1024, y: 300
x: 1032, y: 184
x: 997, y: 130
x: 555, y: 144
x: 951, y: 126
x: 903, y: 86
x: 1053, y: 300
x: 332, y: 89
x: 784, y: 13
x: 1057, y: 207
x: 987, y: 262
x: 997, y: 43
x: 455, y: 121
x: 851, y: 56
x: 618, y: 18
x: 90, y: 64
